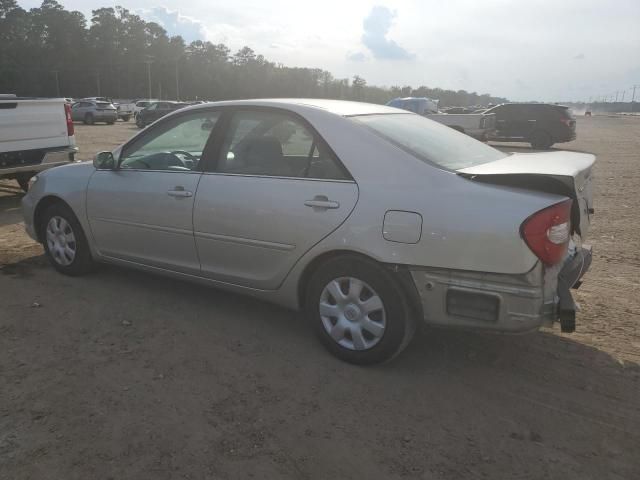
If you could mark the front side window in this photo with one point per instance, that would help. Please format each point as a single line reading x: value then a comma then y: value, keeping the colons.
x: 275, y: 144
x: 175, y: 145
x: 430, y: 141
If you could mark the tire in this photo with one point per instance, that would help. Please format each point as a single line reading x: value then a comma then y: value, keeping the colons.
x: 541, y: 140
x: 126, y: 118
x: 360, y: 338
x: 111, y: 123
x: 139, y: 122
x: 61, y: 217
x: 88, y: 119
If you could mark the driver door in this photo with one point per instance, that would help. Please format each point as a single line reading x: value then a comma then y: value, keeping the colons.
x: 142, y: 211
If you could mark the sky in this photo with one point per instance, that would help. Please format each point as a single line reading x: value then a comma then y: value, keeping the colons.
x: 544, y: 50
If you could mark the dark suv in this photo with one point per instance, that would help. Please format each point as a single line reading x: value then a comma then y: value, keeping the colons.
x: 540, y: 124
x: 155, y: 111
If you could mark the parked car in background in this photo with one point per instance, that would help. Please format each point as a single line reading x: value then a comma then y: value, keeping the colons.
x: 141, y: 105
x: 125, y: 109
x: 157, y: 110
x: 479, y: 126
x: 369, y: 218
x: 35, y: 134
x: 539, y: 124
x: 457, y: 110
x: 92, y: 111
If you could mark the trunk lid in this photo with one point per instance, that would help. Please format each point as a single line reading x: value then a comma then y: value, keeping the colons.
x: 561, y: 172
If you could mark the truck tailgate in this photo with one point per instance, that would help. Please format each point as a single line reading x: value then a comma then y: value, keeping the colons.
x: 33, y: 124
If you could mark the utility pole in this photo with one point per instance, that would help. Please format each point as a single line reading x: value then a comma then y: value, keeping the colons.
x: 633, y: 98
x: 149, y: 62
x: 55, y: 72
x: 177, y: 83
x: 98, y: 81
x: 617, y: 92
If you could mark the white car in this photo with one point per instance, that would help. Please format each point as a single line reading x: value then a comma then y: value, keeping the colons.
x: 35, y: 134
x: 141, y: 105
x: 369, y: 218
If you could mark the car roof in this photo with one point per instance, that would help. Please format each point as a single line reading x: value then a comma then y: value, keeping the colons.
x: 339, y: 107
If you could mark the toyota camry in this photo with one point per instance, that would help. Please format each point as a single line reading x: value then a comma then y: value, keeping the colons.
x: 368, y: 218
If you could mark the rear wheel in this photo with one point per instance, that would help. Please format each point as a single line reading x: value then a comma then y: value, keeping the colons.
x: 541, y: 140
x: 126, y: 118
x: 111, y: 122
x: 65, y: 243
x: 359, y: 311
x: 88, y: 119
x: 139, y: 122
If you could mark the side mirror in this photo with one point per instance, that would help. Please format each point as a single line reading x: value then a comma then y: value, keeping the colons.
x: 104, y: 161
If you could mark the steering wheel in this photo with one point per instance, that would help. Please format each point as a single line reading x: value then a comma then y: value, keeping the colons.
x: 189, y: 158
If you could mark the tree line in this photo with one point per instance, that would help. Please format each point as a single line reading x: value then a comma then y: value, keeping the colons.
x: 50, y: 51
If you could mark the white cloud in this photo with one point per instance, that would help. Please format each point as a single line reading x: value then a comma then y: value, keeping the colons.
x: 174, y: 23
x: 375, y: 37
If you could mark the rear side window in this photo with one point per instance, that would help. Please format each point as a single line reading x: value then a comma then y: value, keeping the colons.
x: 268, y: 143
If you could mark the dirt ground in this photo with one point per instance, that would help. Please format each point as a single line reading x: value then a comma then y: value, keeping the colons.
x: 124, y: 375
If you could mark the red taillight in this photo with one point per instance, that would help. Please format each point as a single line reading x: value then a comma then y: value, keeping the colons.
x: 548, y: 231
x: 567, y: 121
x: 67, y: 114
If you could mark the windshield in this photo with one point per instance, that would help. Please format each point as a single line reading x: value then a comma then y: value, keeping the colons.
x: 430, y: 141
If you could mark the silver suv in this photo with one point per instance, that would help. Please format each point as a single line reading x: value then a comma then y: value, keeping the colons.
x: 91, y: 111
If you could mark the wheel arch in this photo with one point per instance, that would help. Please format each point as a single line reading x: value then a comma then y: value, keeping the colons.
x: 399, y: 272
x: 41, y: 207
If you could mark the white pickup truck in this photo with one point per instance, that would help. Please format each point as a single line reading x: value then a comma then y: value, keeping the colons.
x: 476, y: 125
x: 35, y: 134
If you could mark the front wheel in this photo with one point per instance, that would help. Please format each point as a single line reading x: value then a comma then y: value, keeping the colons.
x: 126, y: 118
x: 88, y: 119
x: 65, y: 243
x: 359, y: 311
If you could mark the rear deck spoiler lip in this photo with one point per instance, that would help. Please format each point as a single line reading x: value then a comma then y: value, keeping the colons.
x: 561, y: 163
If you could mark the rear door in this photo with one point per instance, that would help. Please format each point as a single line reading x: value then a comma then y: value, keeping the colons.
x: 275, y: 190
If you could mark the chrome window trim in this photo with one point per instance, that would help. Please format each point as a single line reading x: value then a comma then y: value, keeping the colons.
x: 279, y: 177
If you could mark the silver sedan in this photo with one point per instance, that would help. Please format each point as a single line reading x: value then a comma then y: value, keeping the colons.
x: 369, y: 218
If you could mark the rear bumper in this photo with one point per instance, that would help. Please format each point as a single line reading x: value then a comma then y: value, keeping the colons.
x: 50, y: 159
x: 105, y: 116
x: 499, y: 302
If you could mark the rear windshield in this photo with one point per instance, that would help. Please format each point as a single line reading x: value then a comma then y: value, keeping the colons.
x: 430, y: 141
x: 104, y: 105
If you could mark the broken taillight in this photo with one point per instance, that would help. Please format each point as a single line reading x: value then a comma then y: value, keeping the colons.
x: 548, y: 231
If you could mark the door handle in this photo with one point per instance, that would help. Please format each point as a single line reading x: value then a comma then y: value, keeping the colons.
x: 179, y: 192
x: 321, y: 202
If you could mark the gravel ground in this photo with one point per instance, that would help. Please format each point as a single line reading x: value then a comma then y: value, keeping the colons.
x: 124, y: 375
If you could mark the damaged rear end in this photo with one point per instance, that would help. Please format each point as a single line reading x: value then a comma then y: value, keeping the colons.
x: 556, y: 233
